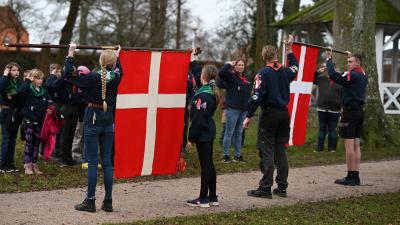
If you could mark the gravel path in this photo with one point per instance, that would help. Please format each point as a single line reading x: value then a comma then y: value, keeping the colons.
x: 166, y: 198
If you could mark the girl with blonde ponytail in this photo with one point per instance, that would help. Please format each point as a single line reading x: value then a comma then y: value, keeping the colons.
x: 202, y: 132
x: 100, y: 92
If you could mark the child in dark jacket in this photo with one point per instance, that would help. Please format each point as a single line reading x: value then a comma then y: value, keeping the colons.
x: 10, y: 115
x: 36, y: 101
x: 202, y: 132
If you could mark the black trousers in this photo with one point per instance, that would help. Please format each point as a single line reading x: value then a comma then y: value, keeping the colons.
x: 208, y: 174
x: 272, y: 136
x: 71, y: 114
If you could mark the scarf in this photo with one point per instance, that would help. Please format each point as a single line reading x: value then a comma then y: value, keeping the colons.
x: 357, y: 69
x: 35, y: 92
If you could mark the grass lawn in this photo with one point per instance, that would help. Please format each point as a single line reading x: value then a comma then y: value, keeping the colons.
x: 55, y: 177
x: 375, y: 209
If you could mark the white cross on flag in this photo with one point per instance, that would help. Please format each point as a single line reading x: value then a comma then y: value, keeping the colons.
x: 300, y: 92
x: 150, y: 112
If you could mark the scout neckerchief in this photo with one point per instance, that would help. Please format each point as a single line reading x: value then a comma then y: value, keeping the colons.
x: 242, y: 77
x: 274, y: 65
x: 12, y: 88
x: 357, y: 69
x: 37, y: 93
x: 110, y: 75
x: 205, y: 89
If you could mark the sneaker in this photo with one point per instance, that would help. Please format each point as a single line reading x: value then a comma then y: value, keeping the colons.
x: 11, y: 168
x: 87, y: 205
x: 350, y: 181
x: 238, y: 159
x: 318, y: 150
x: 28, y: 168
x: 85, y: 166
x: 203, y: 203
x: 260, y: 193
x: 2, y: 169
x: 332, y: 150
x: 107, y: 205
x: 226, y: 159
x: 280, y: 192
x: 213, y: 201
x: 35, y: 169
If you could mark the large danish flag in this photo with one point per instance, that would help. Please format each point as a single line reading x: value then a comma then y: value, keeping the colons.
x: 150, y: 112
x: 300, y: 92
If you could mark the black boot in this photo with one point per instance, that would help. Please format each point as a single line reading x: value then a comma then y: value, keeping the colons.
x: 348, y: 180
x: 107, y: 205
x: 260, y: 193
x: 87, y: 205
x: 281, y: 192
x: 356, y: 175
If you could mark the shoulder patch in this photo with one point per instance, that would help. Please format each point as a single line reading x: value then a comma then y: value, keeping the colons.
x: 198, y: 103
x: 294, y: 69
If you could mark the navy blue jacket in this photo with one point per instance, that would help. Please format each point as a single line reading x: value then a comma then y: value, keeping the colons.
x: 5, y: 82
x: 272, y: 86
x: 202, y: 128
x: 66, y: 89
x: 91, y: 86
x: 353, y: 89
x: 52, y: 89
x: 34, y: 107
x: 237, y: 91
x: 193, y: 81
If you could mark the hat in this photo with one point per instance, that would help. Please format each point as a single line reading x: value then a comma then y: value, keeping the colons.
x: 82, y: 70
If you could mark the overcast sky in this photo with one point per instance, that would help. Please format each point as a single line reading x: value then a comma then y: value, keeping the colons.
x: 211, y: 13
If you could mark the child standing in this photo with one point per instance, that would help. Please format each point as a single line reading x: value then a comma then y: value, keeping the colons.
x: 36, y: 101
x: 202, y: 132
x: 10, y: 115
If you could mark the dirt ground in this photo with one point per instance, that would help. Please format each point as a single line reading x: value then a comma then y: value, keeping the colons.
x: 166, y: 198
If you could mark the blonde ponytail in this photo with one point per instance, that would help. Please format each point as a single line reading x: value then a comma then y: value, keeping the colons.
x: 107, y: 58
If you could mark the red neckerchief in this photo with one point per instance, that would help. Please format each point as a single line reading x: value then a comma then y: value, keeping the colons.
x: 242, y: 78
x: 357, y: 69
x: 274, y: 65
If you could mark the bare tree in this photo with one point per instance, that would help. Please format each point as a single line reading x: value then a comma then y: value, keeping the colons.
x: 66, y: 32
x: 158, y: 11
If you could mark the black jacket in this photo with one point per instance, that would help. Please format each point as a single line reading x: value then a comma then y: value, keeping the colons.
x: 202, y: 128
x: 353, y: 89
x: 237, y: 90
x: 272, y: 86
x: 329, y: 93
x: 35, y: 103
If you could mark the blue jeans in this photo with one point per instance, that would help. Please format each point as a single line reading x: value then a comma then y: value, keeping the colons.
x: 234, y: 129
x: 95, y: 136
x: 327, y: 124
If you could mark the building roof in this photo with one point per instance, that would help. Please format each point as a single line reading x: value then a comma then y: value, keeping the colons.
x: 323, y: 12
x: 9, y: 20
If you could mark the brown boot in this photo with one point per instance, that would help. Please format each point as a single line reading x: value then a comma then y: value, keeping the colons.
x: 35, y: 169
x: 28, y: 168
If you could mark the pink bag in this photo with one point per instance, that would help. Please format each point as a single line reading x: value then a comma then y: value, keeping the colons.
x: 51, y: 125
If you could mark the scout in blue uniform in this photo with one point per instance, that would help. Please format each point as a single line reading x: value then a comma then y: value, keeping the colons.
x: 10, y: 115
x: 272, y: 93
x: 202, y: 132
x: 354, y: 82
x: 36, y: 102
x: 100, y: 92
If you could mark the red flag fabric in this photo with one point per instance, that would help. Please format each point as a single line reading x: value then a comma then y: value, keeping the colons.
x: 150, y: 112
x: 300, y: 92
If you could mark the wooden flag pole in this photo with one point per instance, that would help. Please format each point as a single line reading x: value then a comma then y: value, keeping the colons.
x: 18, y: 45
x: 321, y: 47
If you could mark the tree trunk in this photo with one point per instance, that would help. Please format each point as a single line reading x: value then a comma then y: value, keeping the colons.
x: 260, y: 34
x: 290, y: 7
x: 270, y: 13
x: 158, y: 11
x: 178, y: 24
x: 66, y: 32
x: 354, y: 30
x: 83, y: 25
